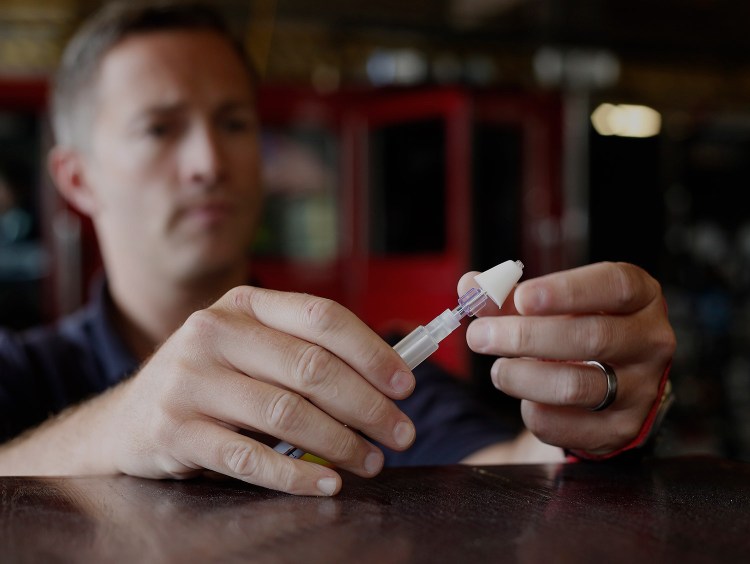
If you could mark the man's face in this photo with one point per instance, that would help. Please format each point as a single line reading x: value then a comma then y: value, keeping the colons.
x: 173, y: 159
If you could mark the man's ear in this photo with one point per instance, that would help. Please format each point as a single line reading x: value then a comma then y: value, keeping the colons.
x: 66, y: 168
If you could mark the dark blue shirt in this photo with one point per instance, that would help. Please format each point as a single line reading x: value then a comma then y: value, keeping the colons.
x: 46, y: 369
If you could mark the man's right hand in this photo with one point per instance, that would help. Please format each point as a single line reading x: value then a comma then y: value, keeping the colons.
x: 293, y: 366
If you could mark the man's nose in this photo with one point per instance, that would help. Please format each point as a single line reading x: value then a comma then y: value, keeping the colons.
x: 202, y: 158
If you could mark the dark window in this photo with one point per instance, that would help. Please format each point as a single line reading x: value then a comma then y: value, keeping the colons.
x: 301, y: 186
x: 497, y: 178
x: 407, y: 188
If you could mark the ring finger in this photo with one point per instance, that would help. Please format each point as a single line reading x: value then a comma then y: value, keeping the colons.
x: 572, y: 384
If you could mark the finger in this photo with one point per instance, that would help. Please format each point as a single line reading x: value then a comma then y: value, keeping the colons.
x: 250, y: 404
x: 467, y: 282
x: 219, y: 449
x: 553, y: 383
x: 594, y: 432
x: 306, y: 368
x: 331, y: 326
x: 614, y: 339
x: 612, y: 287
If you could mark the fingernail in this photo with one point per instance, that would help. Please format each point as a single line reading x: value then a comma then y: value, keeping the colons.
x: 404, y: 433
x: 373, y: 462
x: 478, y: 335
x: 402, y: 382
x: 531, y: 298
x: 327, y: 486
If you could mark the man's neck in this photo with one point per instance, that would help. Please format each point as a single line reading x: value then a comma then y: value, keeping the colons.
x: 148, y: 314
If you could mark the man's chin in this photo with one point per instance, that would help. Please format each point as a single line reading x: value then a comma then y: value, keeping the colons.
x: 214, y: 265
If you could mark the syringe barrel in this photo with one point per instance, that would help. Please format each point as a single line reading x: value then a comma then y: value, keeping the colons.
x: 416, y: 347
x: 443, y: 325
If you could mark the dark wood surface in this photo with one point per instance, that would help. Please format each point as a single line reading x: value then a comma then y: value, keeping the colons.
x: 672, y: 510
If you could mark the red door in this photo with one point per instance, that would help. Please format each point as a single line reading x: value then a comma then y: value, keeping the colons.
x: 411, y: 210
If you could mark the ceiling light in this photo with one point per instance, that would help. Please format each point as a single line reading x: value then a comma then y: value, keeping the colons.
x: 626, y: 120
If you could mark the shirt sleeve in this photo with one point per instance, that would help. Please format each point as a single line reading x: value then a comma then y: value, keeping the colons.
x: 41, y: 373
x: 450, y: 420
x: 16, y: 388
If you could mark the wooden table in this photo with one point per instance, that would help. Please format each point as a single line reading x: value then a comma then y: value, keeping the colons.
x: 672, y: 510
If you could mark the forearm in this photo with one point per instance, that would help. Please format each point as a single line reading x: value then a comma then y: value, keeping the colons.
x: 75, y: 442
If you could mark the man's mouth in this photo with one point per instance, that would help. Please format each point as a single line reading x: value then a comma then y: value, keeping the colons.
x: 208, y: 213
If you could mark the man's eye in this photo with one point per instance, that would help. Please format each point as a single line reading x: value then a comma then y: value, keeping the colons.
x: 157, y: 130
x: 239, y: 124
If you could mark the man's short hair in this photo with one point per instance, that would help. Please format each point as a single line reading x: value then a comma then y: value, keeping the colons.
x: 73, y: 83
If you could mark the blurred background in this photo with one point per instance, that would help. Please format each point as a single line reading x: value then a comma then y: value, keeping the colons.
x: 408, y: 142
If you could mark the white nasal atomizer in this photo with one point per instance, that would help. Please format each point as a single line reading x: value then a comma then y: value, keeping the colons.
x: 497, y: 282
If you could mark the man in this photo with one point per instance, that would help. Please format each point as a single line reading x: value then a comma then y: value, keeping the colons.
x: 157, y: 142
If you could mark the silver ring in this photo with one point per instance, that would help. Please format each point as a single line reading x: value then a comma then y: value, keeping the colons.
x: 611, y: 394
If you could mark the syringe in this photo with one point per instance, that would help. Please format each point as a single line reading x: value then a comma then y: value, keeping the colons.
x: 496, y: 283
